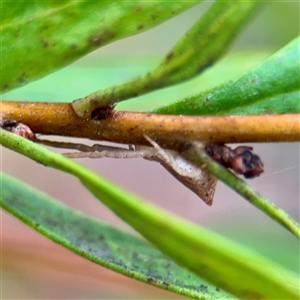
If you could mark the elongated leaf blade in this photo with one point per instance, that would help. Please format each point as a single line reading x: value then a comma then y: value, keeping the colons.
x: 199, y: 48
x: 101, y: 243
x: 216, y: 259
x: 38, y: 37
x: 273, y: 87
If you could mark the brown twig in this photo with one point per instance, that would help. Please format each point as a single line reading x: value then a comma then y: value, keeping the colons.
x: 130, y: 127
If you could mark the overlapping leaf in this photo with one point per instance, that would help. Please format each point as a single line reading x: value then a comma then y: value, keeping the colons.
x: 214, y: 258
x: 38, y: 37
x: 271, y: 88
x: 101, y: 243
x: 199, y: 48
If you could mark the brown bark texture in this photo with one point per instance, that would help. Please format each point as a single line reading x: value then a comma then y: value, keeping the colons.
x: 169, y: 130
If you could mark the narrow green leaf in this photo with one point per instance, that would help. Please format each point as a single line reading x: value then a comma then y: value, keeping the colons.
x: 38, y: 37
x: 201, y: 158
x: 271, y: 88
x: 221, y: 262
x: 99, y: 242
x: 200, y: 47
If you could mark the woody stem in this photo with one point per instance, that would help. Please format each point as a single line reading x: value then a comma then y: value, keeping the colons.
x: 130, y: 127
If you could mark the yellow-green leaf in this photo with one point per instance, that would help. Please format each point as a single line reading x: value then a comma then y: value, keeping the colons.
x: 38, y: 37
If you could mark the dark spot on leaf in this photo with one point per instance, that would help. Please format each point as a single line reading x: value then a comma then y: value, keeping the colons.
x: 150, y: 280
x: 140, y: 27
x: 5, y: 86
x: 254, y: 80
x: 169, y: 56
x: 73, y: 47
x: 101, y: 38
x: 22, y: 78
x: 153, y: 17
x: 81, y: 252
x: 130, y: 274
x: 44, y: 43
x: 204, y: 288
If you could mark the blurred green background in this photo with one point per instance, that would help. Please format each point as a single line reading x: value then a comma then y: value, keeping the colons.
x: 36, y: 268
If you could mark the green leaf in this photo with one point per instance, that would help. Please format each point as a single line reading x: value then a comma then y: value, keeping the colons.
x: 221, y: 262
x: 195, y: 154
x: 88, y: 71
x: 271, y: 88
x: 99, y: 242
x: 199, y: 48
x: 38, y: 37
